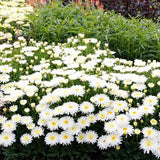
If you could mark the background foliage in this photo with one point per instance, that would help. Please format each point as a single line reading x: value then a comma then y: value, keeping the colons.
x: 130, y: 38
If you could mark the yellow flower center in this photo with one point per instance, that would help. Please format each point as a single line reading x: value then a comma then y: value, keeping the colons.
x: 52, y: 138
x: 101, y: 99
x: 65, y: 137
x: 66, y: 122
x: 86, y: 107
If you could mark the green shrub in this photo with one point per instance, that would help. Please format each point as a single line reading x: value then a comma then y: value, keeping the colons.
x: 131, y: 39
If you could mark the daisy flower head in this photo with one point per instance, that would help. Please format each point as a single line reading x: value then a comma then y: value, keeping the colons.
x: 2, y: 119
x: 126, y: 129
x: 4, y: 78
x: 81, y: 137
x: 58, y: 110
x: 103, y: 142
x: 36, y: 132
x: 26, y: 139
x: 13, y: 108
x: 101, y: 99
x: 25, y: 120
x: 42, y: 122
x: 149, y: 132
x: 110, y: 127
x: 52, y: 124
x: 7, y: 139
x: 153, y: 121
x: 42, y: 106
x: 30, y: 126
x: 66, y: 122
x: 5, y: 69
x: 150, y: 100
x: 148, y: 144
x: 147, y: 109
x: 102, y: 115
x: 46, y: 114
x: 65, y: 138
x: 52, y: 138
x: 8, y: 126
x: 86, y: 107
x: 75, y: 129
x: 139, y: 86
x: 137, y: 94
x: 156, y: 151
x: 122, y: 119
x: 16, y: 118
x: 83, y: 122
x: 91, y: 137
x: 70, y: 108
x: 92, y: 118
x: 120, y: 105
x: 135, y: 113
x: 23, y: 102
x: 77, y: 90
x: 114, y: 139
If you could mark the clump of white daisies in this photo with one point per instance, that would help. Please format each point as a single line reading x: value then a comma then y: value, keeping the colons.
x: 59, y: 91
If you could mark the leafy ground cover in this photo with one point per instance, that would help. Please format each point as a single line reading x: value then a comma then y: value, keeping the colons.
x: 73, y: 100
x: 129, y: 38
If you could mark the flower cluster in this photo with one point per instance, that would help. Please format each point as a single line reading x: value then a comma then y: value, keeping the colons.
x: 12, y: 19
x: 59, y: 92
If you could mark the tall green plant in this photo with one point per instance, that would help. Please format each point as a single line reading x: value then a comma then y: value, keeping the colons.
x: 131, y: 39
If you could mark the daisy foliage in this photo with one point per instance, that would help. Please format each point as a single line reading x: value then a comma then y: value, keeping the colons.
x: 73, y: 92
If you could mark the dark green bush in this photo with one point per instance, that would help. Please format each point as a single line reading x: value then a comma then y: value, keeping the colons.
x: 130, y: 38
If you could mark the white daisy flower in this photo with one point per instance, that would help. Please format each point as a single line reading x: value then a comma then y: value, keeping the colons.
x: 119, y: 105
x: 81, y: 137
x: 126, y: 129
x: 36, y: 132
x: 83, y: 122
x: 70, y: 108
x: 86, y: 107
x: 75, y: 129
x: 110, y: 127
x: 103, y: 142
x: 92, y: 118
x: 148, y: 144
x: 30, y: 126
x: 23, y: 102
x: 147, y: 109
x: 52, y: 124
x: 7, y: 139
x: 52, y: 138
x: 102, y: 115
x: 149, y: 132
x: 66, y: 122
x: 135, y: 113
x: 156, y: 150
x: 101, y: 99
x: 13, y: 108
x: 26, y: 139
x: 46, y: 114
x: 150, y: 100
x: 114, y: 139
x: 16, y: 118
x: 25, y: 120
x: 137, y: 94
x: 4, y: 78
x: 122, y: 119
x: 77, y: 90
x: 65, y: 138
x: 2, y: 119
x: 42, y: 122
x: 9, y: 126
x: 91, y: 137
